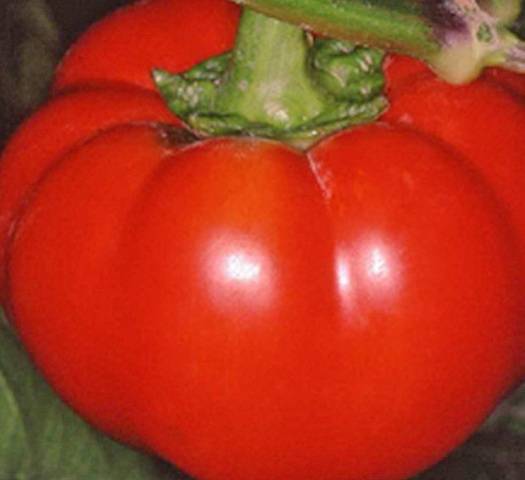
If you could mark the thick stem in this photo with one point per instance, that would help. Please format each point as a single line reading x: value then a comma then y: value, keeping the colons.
x: 458, y: 38
x: 278, y: 82
x: 272, y: 86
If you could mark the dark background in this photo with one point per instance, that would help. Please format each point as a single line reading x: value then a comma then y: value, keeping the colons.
x: 34, y: 34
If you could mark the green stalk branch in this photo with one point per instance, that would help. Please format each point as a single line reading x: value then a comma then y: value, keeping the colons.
x: 458, y: 38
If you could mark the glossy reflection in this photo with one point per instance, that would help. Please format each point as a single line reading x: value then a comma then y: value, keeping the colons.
x: 378, y: 266
x: 344, y: 282
x: 368, y: 269
x: 242, y: 267
x: 238, y: 272
x: 344, y: 274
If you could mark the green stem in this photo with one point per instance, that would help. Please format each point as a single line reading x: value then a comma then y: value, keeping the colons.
x: 278, y: 82
x: 396, y: 24
x: 458, y: 38
x: 271, y: 87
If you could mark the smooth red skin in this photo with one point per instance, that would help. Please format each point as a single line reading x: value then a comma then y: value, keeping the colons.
x: 400, y: 70
x: 102, y: 186
x: 483, y: 121
x: 168, y: 34
x: 65, y: 121
x: 515, y: 82
x: 251, y: 312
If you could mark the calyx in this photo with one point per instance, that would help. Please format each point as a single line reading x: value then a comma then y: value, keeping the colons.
x: 278, y: 82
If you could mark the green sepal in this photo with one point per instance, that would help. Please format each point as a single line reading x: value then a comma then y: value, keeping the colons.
x: 334, y: 86
x: 346, y: 71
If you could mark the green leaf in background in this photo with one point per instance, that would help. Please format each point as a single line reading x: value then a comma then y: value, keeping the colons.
x: 42, y: 439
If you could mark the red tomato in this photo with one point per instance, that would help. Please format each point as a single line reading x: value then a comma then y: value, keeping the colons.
x: 250, y: 311
x: 216, y: 324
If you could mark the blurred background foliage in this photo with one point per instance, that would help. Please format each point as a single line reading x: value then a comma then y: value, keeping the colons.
x: 34, y: 34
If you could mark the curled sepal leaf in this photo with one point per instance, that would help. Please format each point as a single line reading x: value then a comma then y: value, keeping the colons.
x: 192, y: 90
x: 347, y: 71
x: 278, y: 83
x: 184, y: 99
